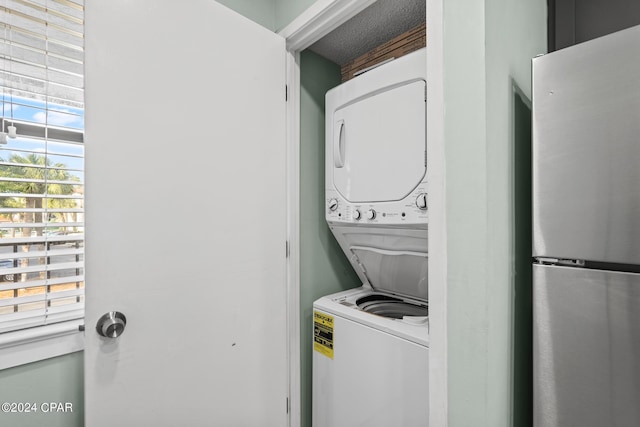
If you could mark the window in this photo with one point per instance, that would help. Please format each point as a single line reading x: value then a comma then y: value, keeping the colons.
x: 41, y: 169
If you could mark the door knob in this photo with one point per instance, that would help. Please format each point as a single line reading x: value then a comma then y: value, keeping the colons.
x: 111, y: 325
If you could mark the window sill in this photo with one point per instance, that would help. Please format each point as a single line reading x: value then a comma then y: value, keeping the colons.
x: 43, y: 342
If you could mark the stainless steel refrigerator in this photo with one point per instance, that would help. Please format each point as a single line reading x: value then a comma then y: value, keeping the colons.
x: 586, y: 233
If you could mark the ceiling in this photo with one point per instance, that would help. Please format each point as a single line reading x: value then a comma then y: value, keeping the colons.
x: 378, y: 23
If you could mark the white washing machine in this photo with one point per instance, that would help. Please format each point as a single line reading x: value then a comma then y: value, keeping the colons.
x: 371, y: 344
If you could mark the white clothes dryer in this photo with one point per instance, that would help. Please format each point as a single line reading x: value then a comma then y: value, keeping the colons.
x: 371, y: 344
x: 376, y: 149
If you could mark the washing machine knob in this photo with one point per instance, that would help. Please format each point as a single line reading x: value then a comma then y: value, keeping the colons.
x: 333, y: 204
x: 371, y: 214
x: 357, y: 215
x: 421, y: 201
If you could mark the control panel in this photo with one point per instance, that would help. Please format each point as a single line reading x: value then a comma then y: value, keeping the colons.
x: 413, y: 209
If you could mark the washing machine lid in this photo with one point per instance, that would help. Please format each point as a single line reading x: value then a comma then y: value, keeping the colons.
x: 389, y: 259
x: 398, y: 272
x: 379, y: 144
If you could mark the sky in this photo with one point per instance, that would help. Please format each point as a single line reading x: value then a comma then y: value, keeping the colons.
x: 34, y: 111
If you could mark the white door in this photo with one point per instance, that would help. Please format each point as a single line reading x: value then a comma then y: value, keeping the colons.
x: 185, y: 215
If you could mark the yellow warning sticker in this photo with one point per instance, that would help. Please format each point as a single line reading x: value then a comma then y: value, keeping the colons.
x: 323, y: 334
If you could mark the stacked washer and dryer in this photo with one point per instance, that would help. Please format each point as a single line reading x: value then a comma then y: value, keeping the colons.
x: 371, y: 343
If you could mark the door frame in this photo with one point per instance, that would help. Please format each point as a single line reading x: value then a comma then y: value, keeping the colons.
x: 314, y: 23
x: 318, y: 20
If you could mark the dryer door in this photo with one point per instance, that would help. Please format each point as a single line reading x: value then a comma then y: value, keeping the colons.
x: 379, y: 144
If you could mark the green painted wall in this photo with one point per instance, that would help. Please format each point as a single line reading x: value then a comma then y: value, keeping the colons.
x: 272, y: 14
x: 523, y: 297
x: 465, y: 154
x: 287, y: 10
x: 488, y: 46
x: 323, y: 267
x: 261, y: 11
x: 508, y: 83
x: 59, y: 379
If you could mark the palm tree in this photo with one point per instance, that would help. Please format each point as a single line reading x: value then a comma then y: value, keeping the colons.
x: 38, y: 178
x: 35, y: 179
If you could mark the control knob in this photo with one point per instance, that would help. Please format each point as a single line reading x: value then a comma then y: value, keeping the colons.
x: 371, y: 214
x: 333, y: 204
x: 421, y: 201
x: 357, y: 215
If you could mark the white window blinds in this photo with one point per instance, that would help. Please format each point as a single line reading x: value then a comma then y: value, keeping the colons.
x: 42, y: 169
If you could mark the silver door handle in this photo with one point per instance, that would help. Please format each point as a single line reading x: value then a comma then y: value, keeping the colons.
x: 111, y: 325
x: 338, y: 145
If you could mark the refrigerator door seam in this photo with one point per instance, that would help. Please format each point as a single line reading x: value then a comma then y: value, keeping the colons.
x: 560, y: 261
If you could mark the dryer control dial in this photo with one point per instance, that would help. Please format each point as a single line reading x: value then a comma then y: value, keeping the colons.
x: 333, y: 204
x: 371, y: 214
x: 357, y: 215
x: 421, y: 201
